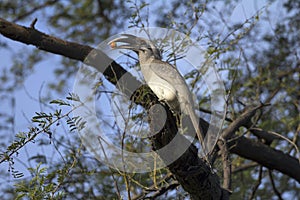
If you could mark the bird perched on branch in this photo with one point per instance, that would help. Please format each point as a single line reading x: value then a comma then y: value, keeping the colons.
x: 164, y: 79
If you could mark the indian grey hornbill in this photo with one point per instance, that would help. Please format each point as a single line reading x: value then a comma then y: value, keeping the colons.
x: 163, y: 78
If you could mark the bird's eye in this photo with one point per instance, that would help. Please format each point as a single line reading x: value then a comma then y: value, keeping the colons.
x: 144, y: 48
x: 143, y: 43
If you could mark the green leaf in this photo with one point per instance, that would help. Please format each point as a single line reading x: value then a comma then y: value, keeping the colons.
x: 59, y: 102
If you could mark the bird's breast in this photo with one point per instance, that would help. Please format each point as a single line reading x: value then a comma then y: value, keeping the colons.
x: 162, y: 89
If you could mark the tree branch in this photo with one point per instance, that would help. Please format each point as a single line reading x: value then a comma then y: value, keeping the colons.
x: 266, y: 156
x: 226, y: 168
x: 39, y: 7
x: 274, y: 186
x: 242, y: 120
x: 256, y: 186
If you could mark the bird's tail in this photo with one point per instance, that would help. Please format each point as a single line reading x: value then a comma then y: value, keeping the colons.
x: 197, y: 128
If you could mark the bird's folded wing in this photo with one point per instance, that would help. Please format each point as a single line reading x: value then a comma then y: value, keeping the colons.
x: 170, y: 74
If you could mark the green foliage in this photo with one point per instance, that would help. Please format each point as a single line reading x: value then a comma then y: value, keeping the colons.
x: 38, y: 187
x: 44, y: 122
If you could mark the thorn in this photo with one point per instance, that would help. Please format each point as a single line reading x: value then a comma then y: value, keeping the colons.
x: 33, y: 23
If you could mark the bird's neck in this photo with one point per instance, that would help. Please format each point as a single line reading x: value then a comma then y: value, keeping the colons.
x: 145, y: 58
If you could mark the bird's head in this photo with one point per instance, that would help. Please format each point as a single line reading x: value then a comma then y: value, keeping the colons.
x: 141, y: 46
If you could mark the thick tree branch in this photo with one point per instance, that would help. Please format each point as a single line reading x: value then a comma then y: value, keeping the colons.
x: 266, y: 156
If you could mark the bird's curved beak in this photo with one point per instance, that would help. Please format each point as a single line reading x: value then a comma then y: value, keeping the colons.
x: 129, y: 42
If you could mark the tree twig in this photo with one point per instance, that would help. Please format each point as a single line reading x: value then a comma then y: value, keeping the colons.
x: 273, y: 185
x: 257, y: 184
x: 33, y: 10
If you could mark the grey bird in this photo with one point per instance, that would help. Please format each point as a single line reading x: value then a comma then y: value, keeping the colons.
x: 163, y: 78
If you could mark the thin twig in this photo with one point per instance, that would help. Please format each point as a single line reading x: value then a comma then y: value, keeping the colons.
x: 112, y: 173
x: 33, y: 10
x: 273, y: 185
x: 124, y: 174
x: 33, y: 23
x: 257, y: 184
x: 244, y: 167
